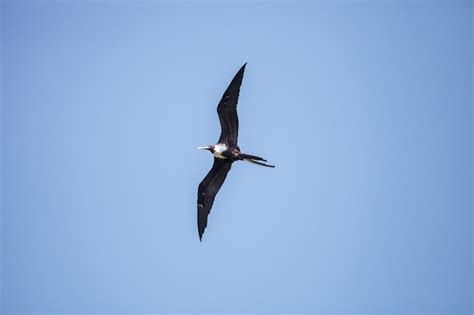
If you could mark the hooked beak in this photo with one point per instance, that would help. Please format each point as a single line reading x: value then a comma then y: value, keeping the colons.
x: 204, y: 148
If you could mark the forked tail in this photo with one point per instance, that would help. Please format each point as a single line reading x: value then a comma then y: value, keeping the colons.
x: 254, y: 159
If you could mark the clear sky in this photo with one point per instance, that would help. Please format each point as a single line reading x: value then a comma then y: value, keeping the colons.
x: 364, y: 107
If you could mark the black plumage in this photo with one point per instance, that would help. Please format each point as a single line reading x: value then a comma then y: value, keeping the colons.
x: 208, y: 189
x: 225, y: 152
x: 227, y: 110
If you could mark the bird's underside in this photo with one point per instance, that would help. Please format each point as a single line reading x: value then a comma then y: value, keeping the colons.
x: 225, y: 152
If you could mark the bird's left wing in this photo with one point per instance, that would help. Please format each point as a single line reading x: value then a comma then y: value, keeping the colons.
x: 208, y: 189
x: 227, y: 110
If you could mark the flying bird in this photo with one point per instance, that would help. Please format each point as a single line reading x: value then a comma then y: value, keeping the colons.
x: 225, y: 152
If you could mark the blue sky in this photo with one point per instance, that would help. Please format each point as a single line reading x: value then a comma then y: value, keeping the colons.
x: 365, y: 108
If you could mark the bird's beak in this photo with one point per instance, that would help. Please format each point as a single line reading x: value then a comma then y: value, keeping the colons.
x: 204, y: 148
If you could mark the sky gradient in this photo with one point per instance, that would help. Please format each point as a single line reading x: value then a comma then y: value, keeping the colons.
x: 365, y: 108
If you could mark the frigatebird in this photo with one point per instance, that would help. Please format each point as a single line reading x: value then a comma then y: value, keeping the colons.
x: 225, y: 152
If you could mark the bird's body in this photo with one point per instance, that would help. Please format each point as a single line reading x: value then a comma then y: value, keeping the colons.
x: 225, y: 152
x: 221, y: 151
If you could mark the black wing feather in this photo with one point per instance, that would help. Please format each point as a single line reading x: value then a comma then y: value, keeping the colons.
x: 227, y: 110
x: 208, y: 189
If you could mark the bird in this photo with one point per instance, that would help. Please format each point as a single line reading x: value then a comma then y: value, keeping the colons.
x: 225, y: 152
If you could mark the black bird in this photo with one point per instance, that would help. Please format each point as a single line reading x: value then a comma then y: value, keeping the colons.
x: 225, y: 152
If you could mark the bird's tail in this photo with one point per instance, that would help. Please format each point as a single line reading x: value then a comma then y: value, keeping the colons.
x: 254, y: 159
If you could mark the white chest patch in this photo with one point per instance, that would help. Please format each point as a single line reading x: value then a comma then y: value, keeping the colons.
x: 218, y: 149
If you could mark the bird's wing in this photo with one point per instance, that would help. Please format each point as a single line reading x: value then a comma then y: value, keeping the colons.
x: 208, y: 189
x: 227, y: 110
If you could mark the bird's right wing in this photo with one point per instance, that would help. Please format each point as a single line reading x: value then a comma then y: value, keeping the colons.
x: 208, y: 189
x: 227, y: 110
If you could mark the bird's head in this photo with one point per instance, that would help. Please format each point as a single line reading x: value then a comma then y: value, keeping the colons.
x: 207, y: 147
